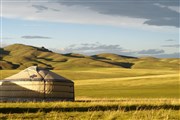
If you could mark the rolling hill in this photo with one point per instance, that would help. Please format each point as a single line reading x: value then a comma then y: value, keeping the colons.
x: 19, y: 56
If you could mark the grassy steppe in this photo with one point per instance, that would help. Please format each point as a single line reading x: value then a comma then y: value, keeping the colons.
x: 120, y: 83
x: 107, y: 94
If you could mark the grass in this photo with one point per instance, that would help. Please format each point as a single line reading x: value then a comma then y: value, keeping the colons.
x: 131, y: 109
x: 107, y: 94
x: 159, y: 86
x: 29, y: 55
x: 128, y: 83
x: 97, y: 115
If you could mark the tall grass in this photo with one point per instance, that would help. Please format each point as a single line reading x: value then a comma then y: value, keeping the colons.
x: 120, y: 109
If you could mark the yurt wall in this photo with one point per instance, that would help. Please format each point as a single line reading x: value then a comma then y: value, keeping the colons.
x: 36, y: 90
x: 21, y: 89
x: 59, y: 90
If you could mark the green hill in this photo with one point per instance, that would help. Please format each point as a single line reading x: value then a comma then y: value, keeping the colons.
x: 19, y: 56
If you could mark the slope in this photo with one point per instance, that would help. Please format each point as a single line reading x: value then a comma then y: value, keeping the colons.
x: 19, y: 56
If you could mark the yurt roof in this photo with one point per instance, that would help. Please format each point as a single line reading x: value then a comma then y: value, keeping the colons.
x: 35, y: 73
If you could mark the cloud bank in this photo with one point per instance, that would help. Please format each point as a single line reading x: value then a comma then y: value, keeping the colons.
x: 94, y: 48
x: 158, y: 13
x: 97, y: 48
x: 145, y: 14
x: 151, y: 51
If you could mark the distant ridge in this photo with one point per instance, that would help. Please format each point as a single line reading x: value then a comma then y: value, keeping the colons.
x: 20, y: 56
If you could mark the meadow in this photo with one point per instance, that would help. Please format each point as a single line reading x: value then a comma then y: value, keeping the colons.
x: 107, y: 93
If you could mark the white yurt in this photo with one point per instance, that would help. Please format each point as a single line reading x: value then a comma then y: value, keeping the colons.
x: 34, y: 84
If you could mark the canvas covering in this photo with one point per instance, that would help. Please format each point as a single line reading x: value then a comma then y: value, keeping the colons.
x: 35, y: 73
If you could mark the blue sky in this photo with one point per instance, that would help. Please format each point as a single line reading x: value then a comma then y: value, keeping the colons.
x: 136, y: 28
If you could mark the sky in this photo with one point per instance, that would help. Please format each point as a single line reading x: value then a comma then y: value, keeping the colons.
x: 125, y: 27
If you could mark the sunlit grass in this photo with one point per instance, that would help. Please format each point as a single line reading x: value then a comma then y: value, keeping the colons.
x: 106, y: 109
x: 107, y: 94
x: 116, y: 82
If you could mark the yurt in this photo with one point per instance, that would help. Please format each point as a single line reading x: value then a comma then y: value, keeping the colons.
x: 34, y: 84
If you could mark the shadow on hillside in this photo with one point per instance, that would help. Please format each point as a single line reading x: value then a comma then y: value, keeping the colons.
x: 4, y: 63
x: 3, y: 53
x: 121, y: 56
x: 43, y: 49
x: 121, y: 64
x: 109, y: 61
x: 90, y: 108
x: 74, y: 55
x: 48, y: 66
x: 47, y: 59
x: 100, y: 58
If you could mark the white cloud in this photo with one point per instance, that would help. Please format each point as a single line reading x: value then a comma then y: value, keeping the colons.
x: 175, y: 8
x: 72, y: 14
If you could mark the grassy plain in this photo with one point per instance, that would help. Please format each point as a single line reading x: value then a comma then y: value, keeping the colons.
x: 126, y: 83
x: 107, y: 94
x: 120, y: 83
